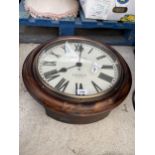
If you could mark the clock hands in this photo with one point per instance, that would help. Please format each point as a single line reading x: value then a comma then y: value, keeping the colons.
x: 80, y: 54
x: 72, y: 54
x: 79, y: 48
x: 63, y: 70
x: 80, y: 51
x: 66, y: 69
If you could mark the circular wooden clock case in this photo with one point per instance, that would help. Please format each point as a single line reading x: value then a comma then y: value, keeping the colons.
x: 78, y: 80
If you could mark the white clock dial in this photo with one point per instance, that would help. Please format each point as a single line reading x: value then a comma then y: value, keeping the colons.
x: 78, y: 68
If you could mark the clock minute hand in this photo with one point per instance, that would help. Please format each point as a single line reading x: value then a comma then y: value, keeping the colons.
x: 80, y: 52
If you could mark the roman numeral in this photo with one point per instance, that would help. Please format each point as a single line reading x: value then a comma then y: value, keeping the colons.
x: 101, y: 57
x: 49, y: 63
x: 79, y: 89
x: 79, y: 47
x: 56, y: 55
x: 53, y: 77
x: 62, y: 85
x: 105, y: 77
x: 107, y: 67
x: 97, y: 88
x: 90, y: 50
x: 50, y: 75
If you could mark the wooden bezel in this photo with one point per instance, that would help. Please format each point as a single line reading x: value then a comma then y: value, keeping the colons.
x: 68, y: 111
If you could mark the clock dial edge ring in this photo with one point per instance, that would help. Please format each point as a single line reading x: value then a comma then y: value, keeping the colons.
x: 70, y: 97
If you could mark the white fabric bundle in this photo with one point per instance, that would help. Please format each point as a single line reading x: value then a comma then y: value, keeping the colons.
x: 54, y: 9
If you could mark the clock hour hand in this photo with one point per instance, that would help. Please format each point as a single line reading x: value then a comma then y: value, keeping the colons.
x: 78, y: 64
x: 66, y: 69
x: 63, y: 70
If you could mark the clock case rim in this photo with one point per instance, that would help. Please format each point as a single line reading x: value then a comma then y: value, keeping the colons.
x: 69, y: 97
x: 68, y: 111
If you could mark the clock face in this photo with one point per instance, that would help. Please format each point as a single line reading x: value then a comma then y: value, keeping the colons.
x: 78, y: 69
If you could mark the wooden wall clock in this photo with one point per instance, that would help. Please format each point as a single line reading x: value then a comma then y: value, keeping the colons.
x: 78, y: 80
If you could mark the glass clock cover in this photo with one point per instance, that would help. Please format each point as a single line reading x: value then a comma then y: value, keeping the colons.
x: 78, y: 69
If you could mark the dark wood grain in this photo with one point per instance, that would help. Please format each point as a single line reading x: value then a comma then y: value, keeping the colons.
x: 70, y: 112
